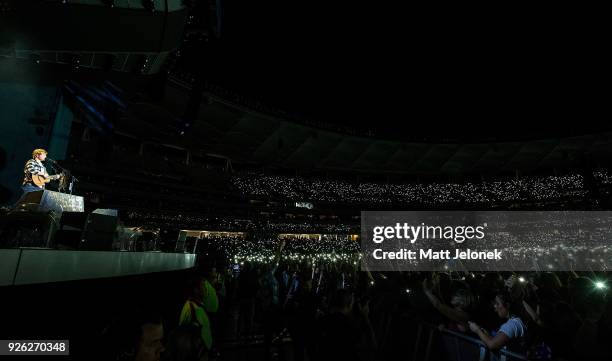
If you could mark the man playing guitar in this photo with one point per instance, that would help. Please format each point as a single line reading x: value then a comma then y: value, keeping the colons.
x: 35, y: 173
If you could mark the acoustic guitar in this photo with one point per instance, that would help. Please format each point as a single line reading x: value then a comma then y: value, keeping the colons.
x: 40, y: 180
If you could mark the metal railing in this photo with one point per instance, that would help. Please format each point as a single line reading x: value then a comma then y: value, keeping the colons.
x: 457, y: 346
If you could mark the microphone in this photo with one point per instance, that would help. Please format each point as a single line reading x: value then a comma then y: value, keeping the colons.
x: 55, y: 165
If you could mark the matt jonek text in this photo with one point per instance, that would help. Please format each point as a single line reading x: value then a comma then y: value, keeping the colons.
x: 436, y: 255
x: 458, y: 234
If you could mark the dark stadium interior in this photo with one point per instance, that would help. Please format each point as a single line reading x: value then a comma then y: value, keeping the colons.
x: 216, y: 157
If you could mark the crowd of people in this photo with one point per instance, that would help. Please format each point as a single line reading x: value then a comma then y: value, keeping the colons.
x: 184, y: 220
x: 309, y: 298
x: 301, y: 286
x: 141, y: 333
x: 310, y: 302
x: 261, y: 247
x: 161, y: 219
x: 485, y: 192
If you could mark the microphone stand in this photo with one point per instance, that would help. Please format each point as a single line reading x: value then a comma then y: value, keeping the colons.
x: 73, y: 180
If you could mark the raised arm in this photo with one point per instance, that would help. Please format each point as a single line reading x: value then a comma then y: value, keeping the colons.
x: 493, y: 343
x: 449, y: 312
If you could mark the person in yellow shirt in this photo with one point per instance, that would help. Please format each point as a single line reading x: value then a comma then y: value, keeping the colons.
x: 203, y: 299
x: 210, y: 300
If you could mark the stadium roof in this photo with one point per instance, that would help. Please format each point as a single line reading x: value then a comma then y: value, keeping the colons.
x: 252, y: 137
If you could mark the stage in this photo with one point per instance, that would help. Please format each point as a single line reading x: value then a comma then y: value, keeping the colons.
x: 25, y: 266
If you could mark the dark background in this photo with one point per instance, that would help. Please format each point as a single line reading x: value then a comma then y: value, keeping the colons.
x: 512, y: 73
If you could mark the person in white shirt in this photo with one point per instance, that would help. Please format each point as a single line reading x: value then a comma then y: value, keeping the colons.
x: 513, y: 329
